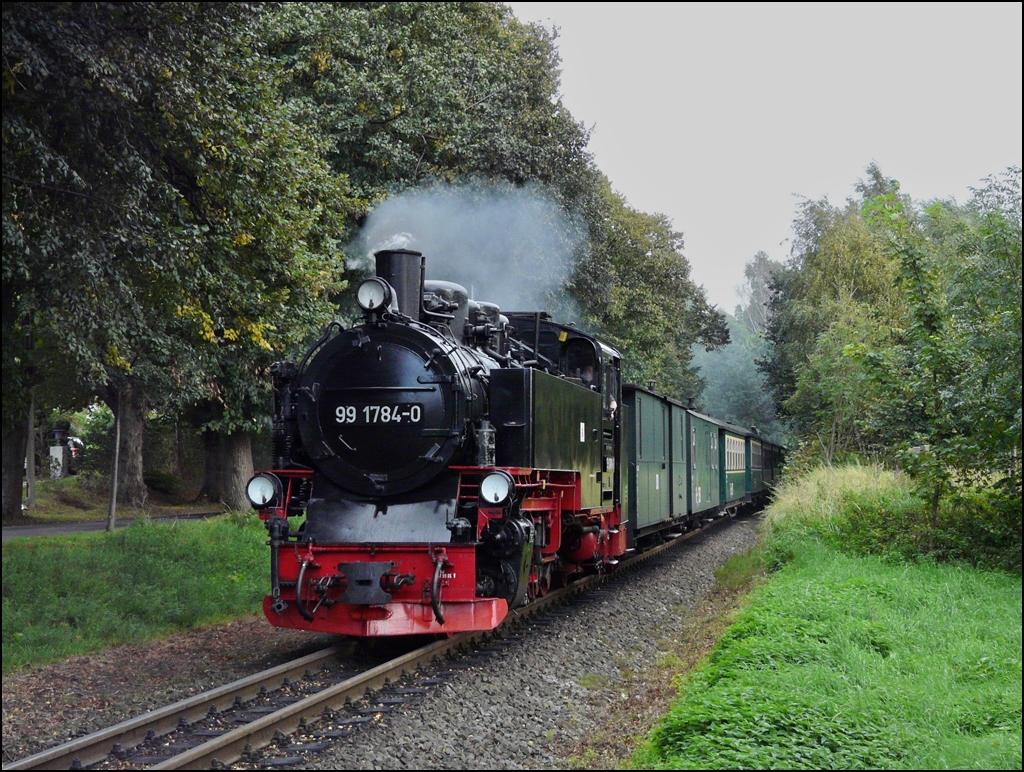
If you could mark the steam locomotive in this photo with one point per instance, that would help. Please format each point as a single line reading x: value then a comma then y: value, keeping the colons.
x: 454, y: 462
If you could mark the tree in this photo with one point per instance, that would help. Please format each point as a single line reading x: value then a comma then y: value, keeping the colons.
x: 651, y: 309
x: 960, y: 358
x: 986, y: 301
x: 896, y: 332
x: 837, y: 291
x: 756, y: 292
x: 735, y: 388
x: 418, y: 93
x: 149, y: 164
x: 413, y: 92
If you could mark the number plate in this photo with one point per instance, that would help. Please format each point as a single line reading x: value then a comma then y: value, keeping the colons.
x: 369, y: 415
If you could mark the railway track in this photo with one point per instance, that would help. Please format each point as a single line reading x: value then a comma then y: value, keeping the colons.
x: 231, y: 723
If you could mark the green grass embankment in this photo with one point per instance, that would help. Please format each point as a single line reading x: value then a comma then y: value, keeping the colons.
x: 853, y: 654
x: 76, y: 594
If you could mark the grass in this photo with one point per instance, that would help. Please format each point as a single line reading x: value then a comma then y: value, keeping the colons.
x: 85, y: 496
x: 71, y: 595
x: 740, y: 572
x: 851, y: 662
x: 593, y: 681
x: 857, y: 652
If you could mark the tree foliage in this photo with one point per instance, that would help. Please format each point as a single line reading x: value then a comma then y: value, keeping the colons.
x: 836, y: 293
x: 959, y: 359
x: 896, y: 331
x: 161, y: 206
x: 179, y: 182
x: 756, y: 292
x: 407, y: 93
x: 735, y: 389
x: 419, y: 93
x: 651, y: 308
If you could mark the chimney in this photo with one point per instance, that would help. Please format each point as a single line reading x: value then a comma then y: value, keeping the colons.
x: 403, y: 269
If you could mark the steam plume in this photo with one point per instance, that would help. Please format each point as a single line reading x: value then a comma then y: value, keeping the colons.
x: 510, y: 246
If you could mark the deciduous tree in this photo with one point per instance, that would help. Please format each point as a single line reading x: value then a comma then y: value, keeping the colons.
x: 158, y: 198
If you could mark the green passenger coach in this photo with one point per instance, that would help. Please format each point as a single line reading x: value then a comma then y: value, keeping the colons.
x: 684, y: 468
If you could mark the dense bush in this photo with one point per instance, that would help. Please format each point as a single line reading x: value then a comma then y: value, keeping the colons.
x: 870, y: 510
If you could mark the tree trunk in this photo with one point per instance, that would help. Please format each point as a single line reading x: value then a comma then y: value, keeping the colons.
x: 131, y: 405
x: 114, y: 466
x: 237, y: 469
x: 179, y: 450
x: 14, y: 442
x: 30, y: 454
x: 213, y: 488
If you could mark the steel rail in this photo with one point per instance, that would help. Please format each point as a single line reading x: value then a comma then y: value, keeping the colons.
x: 229, y: 747
x: 97, y: 746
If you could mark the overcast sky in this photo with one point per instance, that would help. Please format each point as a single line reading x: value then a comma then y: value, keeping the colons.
x: 716, y: 115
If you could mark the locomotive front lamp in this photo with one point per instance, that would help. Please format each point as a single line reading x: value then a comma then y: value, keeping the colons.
x: 497, y: 488
x: 374, y: 295
x: 264, y: 490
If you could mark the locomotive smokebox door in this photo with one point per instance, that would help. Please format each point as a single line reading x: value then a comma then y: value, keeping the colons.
x: 381, y: 411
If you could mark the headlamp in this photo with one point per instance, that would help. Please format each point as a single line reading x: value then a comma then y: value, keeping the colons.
x: 375, y: 295
x: 264, y: 491
x: 497, y: 488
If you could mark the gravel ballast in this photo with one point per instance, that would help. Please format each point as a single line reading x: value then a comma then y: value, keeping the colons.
x: 547, y: 693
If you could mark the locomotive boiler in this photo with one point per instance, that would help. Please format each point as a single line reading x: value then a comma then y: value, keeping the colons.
x: 452, y: 462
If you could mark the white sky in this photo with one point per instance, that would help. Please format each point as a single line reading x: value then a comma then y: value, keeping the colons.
x: 716, y: 115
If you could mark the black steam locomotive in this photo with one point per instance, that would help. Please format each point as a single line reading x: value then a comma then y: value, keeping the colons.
x: 454, y: 462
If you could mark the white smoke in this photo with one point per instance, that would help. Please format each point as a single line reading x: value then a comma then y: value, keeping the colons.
x: 512, y: 246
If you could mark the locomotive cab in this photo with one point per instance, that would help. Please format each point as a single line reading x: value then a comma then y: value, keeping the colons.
x: 562, y: 349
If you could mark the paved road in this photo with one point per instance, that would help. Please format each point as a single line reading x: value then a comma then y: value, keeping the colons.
x: 63, y: 529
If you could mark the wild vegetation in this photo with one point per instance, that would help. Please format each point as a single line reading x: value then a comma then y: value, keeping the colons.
x: 892, y: 333
x: 181, y: 182
x: 888, y: 634
x: 895, y: 332
x: 858, y: 652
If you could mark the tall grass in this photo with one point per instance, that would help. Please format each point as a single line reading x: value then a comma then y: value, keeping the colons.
x: 871, y: 510
x: 75, y: 594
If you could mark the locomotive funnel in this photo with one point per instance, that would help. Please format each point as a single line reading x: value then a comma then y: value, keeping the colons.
x: 403, y: 269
